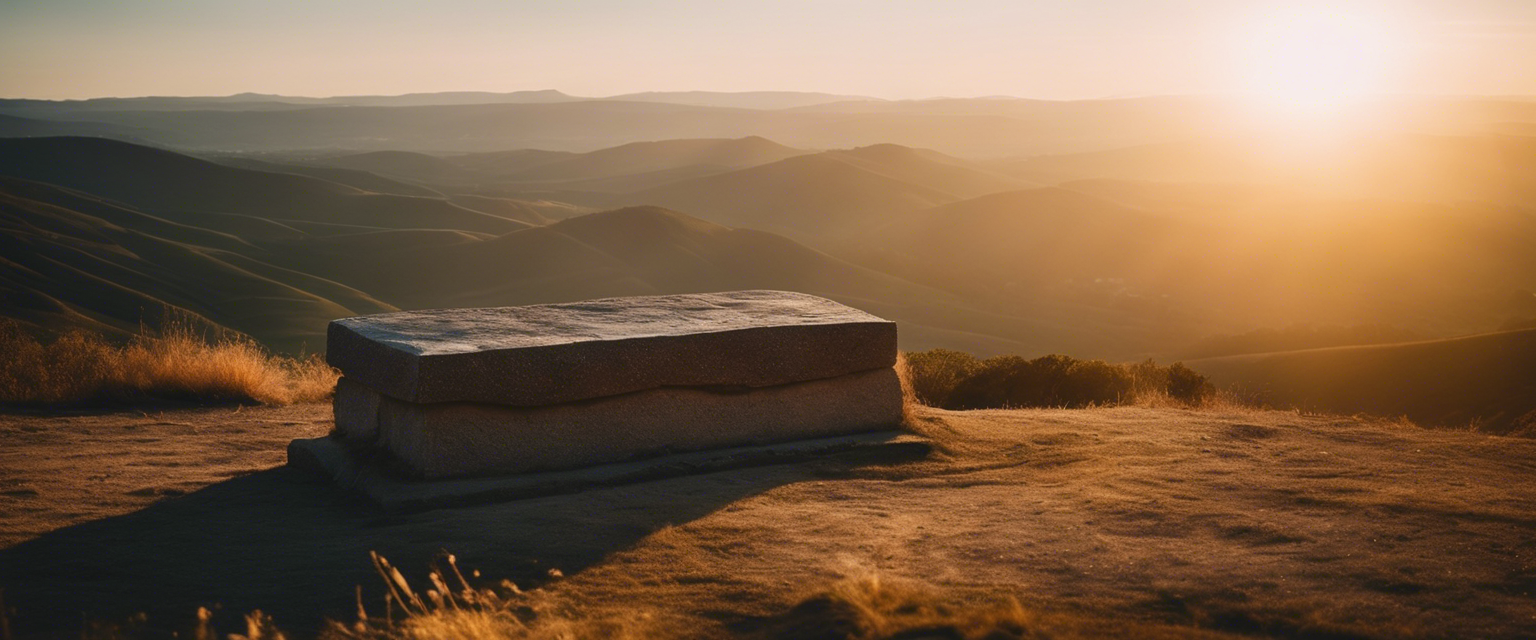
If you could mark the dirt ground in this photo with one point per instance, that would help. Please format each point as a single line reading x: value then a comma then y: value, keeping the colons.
x: 1270, y: 523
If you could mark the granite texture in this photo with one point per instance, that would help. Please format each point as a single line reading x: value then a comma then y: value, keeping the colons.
x: 455, y: 439
x: 552, y: 354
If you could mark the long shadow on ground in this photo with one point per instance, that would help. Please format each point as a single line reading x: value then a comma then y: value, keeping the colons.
x: 296, y: 547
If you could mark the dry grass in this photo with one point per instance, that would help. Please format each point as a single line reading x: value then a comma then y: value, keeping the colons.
x: 178, y: 363
x: 909, y: 401
x: 865, y: 606
x: 869, y: 606
x: 452, y: 609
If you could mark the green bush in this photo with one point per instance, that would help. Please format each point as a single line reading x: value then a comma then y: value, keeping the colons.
x: 955, y: 380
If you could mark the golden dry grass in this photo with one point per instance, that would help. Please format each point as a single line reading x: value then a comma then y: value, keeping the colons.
x: 870, y: 606
x: 863, y: 605
x: 1116, y: 522
x: 460, y: 611
x: 178, y: 363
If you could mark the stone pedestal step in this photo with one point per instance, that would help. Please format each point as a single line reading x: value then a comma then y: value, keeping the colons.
x: 334, y: 459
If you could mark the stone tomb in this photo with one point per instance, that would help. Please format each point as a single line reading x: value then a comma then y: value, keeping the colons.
x: 472, y: 392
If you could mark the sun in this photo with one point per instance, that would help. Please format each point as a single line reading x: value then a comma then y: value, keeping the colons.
x: 1314, y: 59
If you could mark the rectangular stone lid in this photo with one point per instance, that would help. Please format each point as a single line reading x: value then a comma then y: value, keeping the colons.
x: 548, y: 354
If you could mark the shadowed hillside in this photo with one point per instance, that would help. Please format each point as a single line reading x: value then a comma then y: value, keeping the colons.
x: 75, y: 261
x: 19, y: 127
x: 1099, y: 269
x: 83, y: 260
x: 358, y: 179
x: 1487, y: 382
x: 182, y: 186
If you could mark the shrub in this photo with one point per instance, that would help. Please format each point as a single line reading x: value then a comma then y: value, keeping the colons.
x: 177, y: 364
x: 955, y: 380
x: 941, y: 370
x: 1188, y: 385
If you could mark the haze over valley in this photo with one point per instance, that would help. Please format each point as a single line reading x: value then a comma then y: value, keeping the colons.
x: 1117, y: 248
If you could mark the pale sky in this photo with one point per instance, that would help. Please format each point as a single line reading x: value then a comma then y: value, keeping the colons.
x: 1053, y: 49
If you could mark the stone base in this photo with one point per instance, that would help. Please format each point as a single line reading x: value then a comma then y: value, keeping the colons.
x: 454, y: 439
x: 351, y: 469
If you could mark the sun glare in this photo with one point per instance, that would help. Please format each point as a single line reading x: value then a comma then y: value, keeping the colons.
x: 1314, y: 59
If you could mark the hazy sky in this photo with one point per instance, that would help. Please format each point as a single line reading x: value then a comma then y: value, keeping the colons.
x: 888, y: 48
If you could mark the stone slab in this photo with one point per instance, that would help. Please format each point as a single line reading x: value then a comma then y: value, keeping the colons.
x: 451, y: 439
x: 335, y: 459
x: 557, y: 353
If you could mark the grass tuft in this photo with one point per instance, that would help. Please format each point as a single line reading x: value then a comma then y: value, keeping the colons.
x: 452, y: 609
x: 177, y: 363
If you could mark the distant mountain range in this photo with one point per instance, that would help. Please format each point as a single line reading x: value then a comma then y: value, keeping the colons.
x: 470, y: 122
x: 105, y: 235
x: 1131, y: 238
x: 264, y: 101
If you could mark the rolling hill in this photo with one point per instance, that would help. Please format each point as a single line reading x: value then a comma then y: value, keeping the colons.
x: 403, y: 165
x: 1492, y: 168
x: 505, y: 162
x: 624, y: 168
x: 182, y: 187
x: 645, y: 251
x: 1034, y: 236
x: 72, y: 260
x: 1213, y: 266
x: 649, y: 157
x: 928, y: 168
x: 355, y: 178
x: 19, y: 127
x: 98, y: 260
x: 1485, y: 381
x: 807, y: 197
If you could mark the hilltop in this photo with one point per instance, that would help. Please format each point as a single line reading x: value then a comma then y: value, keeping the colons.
x: 1126, y: 522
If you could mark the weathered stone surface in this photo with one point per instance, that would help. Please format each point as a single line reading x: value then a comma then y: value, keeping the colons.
x: 551, y: 354
x: 450, y: 439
